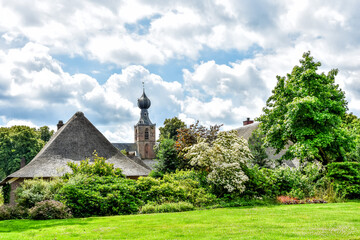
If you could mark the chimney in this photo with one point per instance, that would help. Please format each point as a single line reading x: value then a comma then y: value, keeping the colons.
x: 248, y: 121
x: 60, y: 124
x: 22, y: 162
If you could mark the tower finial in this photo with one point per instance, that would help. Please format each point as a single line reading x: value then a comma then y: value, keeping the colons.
x: 143, y: 86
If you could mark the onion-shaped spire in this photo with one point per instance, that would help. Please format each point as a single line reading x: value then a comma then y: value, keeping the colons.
x: 144, y: 102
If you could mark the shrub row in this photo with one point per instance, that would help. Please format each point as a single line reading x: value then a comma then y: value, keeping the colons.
x: 48, y: 209
x: 88, y: 195
x: 299, y: 183
x: 37, y: 190
x: 183, y: 186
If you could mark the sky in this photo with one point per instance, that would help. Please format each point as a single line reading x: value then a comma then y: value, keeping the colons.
x: 215, y: 61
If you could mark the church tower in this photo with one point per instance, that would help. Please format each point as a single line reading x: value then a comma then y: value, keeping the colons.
x: 145, y: 130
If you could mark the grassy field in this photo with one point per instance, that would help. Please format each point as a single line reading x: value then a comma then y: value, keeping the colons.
x: 313, y: 221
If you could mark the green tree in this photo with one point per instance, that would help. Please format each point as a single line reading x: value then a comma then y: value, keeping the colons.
x: 45, y: 133
x: 17, y: 142
x: 170, y: 128
x: 167, y: 156
x: 258, y: 150
x: 305, y: 112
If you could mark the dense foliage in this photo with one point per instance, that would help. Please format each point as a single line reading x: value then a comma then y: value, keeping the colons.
x: 20, y: 142
x: 352, y: 124
x: 89, y: 195
x: 98, y: 189
x: 32, y: 191
x: 167, y: 156
x: 49, y: 209
x: 306, y: 111
x: 186, y: 186
x: 258, y: 150
x: 13, y: 212
x: 99, y: 167
x: 295, y: 182
x: 346, y: 176
x: 170, y: 128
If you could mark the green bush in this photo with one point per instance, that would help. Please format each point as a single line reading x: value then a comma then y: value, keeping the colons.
x: 156, y: 174
x: 295, y: 182
x: 260, y: 183
x: 167, y: 156
x: 311, y: 179
x: 99, y: 195
x: 346, y: 178
x: 175, y: 187
x: 328, y: 192
x: 167, y: 207
x: 99, y: 168
x: 33, y: 191
x: 13, y: 212
x: 49, y: 209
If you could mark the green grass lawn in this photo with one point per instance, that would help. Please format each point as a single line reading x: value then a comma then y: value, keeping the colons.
x: 312, y: 221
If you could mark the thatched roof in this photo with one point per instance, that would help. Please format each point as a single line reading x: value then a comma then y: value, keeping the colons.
x: 246, y: 131
x: 75, y: 141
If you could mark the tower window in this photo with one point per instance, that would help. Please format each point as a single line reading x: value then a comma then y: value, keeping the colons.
x: 146, y: 133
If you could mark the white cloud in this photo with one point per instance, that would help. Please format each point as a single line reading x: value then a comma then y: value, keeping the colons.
x: 180, y: 29
x: 20, y: 122
x: 224, y: 93
x: 271, y: 34
x: 35, y: 88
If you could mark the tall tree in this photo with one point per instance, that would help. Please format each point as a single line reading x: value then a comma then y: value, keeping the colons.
x: 45, y: 133
x: 167, y: 156
x: 16, y: 143
x: 306, y: 110
x: 170, y: 128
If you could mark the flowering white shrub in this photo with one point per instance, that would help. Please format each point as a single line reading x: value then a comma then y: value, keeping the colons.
x: 224, y: 160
